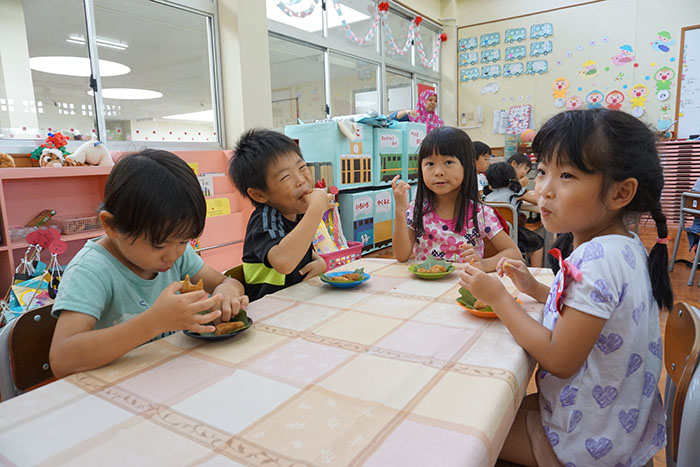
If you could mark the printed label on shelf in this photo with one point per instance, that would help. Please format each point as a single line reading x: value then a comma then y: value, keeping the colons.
x: 218, y: 207
x: 194, y: 166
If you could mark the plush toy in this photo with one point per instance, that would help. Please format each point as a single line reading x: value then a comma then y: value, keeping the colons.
x: 51, y: 157
x: 53, y: 141
x: 6, y: 161
x: 92, y: 153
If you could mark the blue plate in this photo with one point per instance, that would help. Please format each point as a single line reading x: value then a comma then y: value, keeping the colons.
x: 210, y: 336
x: 344, y: 285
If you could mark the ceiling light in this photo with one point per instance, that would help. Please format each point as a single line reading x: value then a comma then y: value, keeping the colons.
x: 101, y: 41
x: 75, y: 66
x: 312, y: 22
x: 128, y: 93
x: 203, y: 116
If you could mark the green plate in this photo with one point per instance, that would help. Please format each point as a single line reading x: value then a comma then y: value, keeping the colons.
x: 429, y: 263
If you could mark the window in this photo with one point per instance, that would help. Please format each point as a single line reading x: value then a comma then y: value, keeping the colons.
x: 398, y: 87
x: 353, y: 85
x: 399, y: 32
x: 359, y: 15
x: 306, y: 15
x: 298, y: 90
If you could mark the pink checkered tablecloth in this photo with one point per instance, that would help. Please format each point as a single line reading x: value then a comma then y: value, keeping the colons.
x: 392, y: 372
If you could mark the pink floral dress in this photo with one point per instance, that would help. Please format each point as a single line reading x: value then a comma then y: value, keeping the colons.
x: 441, y: 241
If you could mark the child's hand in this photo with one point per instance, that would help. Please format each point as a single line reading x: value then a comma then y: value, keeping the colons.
x: 518, y: 273
x: 313, y: 268
x: 319, y: 199
x: 484, y: 287
x: 400, y: 189
x: 469, y: 255
x: 175, y: 312
x: 231, y: 301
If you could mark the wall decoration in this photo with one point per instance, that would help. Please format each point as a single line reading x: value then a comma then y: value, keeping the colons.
x: 468, y: 43
x: 638, y: 95
x: 516, y: 52
x: 468, y: 58
x: 518, y: 119
x: 573, y: 103
x: 297, y: 14
x: 614, y: 99
x: 492, y: 88
x: 589, y: 70
x: 468, y: 74
x: 490, y: 71
x: 515, y: 34
x: 513, y: 69
x: 663, y: 42
x: 540, y: 48
x: 560, y: 86
x: 624, y: 56
x: 559, y: 102
x: 594, y: 99
x: 536, y: 66
x: 489, y: 40
x: 620, y: 76
x: 491, y: 55
x: 663, y: 77
x: 663, y: 95
x: 541, y: 30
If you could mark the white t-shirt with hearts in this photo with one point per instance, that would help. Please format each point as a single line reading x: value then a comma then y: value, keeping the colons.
x: 609, y: 413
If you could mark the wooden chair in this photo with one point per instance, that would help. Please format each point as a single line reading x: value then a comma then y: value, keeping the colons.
x: 690, y: 209
x: 24, y: 352
x: 236, y: 272
x: 682, y: 395
x: 510, y: 214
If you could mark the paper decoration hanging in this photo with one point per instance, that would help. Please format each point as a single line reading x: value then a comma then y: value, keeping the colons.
x: 491, y: 39
x: 490, y: 71
x: 515, y: 34
x: 624, y: 56
x: 490, y: 88
x: 536, y: 66
x: 589, y: 70
x: 468, y: 58
x: 516, y: 52
x: 663, y: 42
x: 296, y: 14
x: 559, y: 87
x: 468, y: 74
x: 518, y: 119
x: 594, y: 99
x: 513, y: 69
x: 541, y: 30
x: 492, y: 55
x: 469, y: 43
x: 540, y: 48
x: 573, y: 103
x: 614, y: 99
x: 638, y: 98
x: 663, y: 78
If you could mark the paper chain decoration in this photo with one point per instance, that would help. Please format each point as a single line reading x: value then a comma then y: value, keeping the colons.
x: 380, y: 17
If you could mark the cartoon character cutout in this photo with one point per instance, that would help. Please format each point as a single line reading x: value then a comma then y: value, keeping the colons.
x: 663, y: 77
x: 589, y: 70
x: 614, y: 99
x: 574, y: 103
x: 638, y: 95
x: 625, y: 55
x: 594, y: 99
x: 560, y: 85
x: 663, y: 42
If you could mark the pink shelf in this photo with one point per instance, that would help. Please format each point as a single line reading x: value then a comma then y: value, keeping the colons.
x: 66, y: 238
x: 52, y: 172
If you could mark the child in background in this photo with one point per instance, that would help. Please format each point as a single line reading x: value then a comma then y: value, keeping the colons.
x: 599, y: 346
x: 268, y: 168
x: 522, y: 165
x: 483, y: 158
x: 120, y: 290
x: 505, y: 188
x: 447, y: 220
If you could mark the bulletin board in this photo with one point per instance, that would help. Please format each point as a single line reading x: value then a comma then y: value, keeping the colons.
x: 688, y: 95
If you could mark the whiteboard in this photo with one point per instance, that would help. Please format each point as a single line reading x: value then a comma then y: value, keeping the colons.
x: 688, y: 107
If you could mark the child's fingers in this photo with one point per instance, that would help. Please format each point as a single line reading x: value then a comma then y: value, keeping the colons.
x: 172, y: 288
x: 305, y: 270
x: 207, y: 318
x: 191, y: 297
x: 226, y: 310
x: 394, y: 181
x: 211, y: 303
x: 202, y: 329
x: 243, y: 300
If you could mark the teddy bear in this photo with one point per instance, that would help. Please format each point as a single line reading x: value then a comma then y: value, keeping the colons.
x: 6, y: 161
x: 93, y: 152
x: 51, y: 157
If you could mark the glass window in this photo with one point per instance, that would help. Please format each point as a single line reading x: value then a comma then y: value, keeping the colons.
x: 398, y: 91
x: 44, y: 70
x: 399, y: 33
x: 305, y: 15
x: 353, y: 85
x: 428, y: 37
x: 298, y: 89
x: 167, y: 93
x: 358, y: 15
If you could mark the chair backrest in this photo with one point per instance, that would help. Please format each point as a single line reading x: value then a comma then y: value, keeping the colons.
x: 510, y: 214
x: 690, y: 205
x: 236, y: 272
x: 681, y: 351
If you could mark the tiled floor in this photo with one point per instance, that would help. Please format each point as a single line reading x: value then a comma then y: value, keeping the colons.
x: 679, y: 280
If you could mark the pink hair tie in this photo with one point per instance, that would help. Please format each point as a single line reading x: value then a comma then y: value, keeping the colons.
x: 662, y: 241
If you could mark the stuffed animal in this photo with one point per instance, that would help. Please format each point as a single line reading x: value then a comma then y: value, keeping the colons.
x: 51, y: 157
x: 6, y: 161
x: 92, y: 153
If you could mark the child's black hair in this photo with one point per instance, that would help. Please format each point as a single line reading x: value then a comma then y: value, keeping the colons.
x: 502, y: 175
x: 519, y: 158
x: 258, y: 149
x: 480, y: 149
x: 447, y: 141
x: 617, y: 146
x: 154, y: 194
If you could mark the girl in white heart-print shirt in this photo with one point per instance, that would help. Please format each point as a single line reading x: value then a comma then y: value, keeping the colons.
x: 451, y: 223
x: 599, y: 346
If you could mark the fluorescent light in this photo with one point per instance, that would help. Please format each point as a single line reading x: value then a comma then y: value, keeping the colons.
x: 312, y: 22
x: 203, y: 116
x: 128, y: 93
x: 75, y: 66
x: 101, y: 41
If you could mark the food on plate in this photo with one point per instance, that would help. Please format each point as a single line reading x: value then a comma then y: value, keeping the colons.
x: 188, y: 286
x: 227, y: 328
x: 434, y: 269
x: 345, y: 276
x: 479, y: 305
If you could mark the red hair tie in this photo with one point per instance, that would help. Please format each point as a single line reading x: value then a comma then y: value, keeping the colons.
x: 662, y: 241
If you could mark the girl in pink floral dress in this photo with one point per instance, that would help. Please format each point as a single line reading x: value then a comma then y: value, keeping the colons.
x: 447, y: 220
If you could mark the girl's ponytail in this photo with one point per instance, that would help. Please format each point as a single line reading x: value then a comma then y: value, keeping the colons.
x: 658, y: 260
